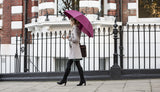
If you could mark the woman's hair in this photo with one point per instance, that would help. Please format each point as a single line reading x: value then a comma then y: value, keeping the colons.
x: 75, y: 21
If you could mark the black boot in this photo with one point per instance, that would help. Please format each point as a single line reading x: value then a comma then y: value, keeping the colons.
x: 62, y: 82
x: 81, y: 83
x: 82, y: 80
x: 67, y: 71
x: 80, y: 70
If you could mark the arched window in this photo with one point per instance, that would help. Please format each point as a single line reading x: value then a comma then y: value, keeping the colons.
x: 149, y: 8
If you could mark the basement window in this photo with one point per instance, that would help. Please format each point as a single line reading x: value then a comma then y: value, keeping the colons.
x: 61, y: 64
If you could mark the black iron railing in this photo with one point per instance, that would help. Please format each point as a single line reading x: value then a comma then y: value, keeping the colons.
x: 48, y: 52
x: 131, y: 52
x: 140, y: 43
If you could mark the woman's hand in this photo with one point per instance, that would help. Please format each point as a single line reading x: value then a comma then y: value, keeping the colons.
x: 67, y: 37
x: 63, y: 36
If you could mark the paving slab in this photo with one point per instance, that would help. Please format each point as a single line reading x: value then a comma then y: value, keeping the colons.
x: 139, y: 85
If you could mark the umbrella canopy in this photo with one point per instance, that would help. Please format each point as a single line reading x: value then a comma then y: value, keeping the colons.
x: 86, y: 25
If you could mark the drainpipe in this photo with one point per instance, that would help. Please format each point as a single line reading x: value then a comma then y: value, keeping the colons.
x: 25, y: 10
x: 120, y: 10
x: 0, y: 45
x: 25, y: 36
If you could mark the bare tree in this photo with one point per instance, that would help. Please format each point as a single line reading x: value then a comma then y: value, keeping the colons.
x: 71, y: 4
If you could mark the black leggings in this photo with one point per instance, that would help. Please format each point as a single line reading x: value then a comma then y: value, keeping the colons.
x: 68, y: 69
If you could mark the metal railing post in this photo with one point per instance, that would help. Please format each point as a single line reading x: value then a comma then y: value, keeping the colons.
x: 98, y: 15
x: 115, y: 69
x: 47, y: 19
x: 121, y: 46
x: 25, y: 50
x: 16, y: 55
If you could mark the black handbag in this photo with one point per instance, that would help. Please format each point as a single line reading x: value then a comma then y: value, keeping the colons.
x: 83, y: 50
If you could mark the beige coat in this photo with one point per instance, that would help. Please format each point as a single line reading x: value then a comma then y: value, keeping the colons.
x: 74, y: 40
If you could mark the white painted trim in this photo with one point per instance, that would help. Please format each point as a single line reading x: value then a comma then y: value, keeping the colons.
x: 35, y: 9
x: 132, y: 5
x: 46, y: 5
x: 89, y: 4
x: 100, y: 5
x: 1, y: 1
x: 1, y: 23
x: 1, y: 11
x: 17, y: 9
x: 105, y: 7
x: 132, y: 18
x: 55, y: 9
x: 112, y: 6
x: 16, y: 25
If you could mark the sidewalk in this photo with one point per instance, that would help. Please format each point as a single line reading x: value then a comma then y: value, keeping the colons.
x: 140, y: 85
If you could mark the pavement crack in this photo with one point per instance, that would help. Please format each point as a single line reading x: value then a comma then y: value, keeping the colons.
x: 150, y: 85
x: 124, y: 85
x: 99, y: 87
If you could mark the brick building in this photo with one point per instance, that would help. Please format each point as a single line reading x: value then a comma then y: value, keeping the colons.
x: 12, y: 13
x: 42, y: 16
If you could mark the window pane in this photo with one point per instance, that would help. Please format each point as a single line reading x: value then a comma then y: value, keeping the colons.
x: 67, y: 5
x: 61, y: 5
x: 149, y: 8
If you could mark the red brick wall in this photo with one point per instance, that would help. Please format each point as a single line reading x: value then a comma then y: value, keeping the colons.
x: 88, y: 0
x: 17, y: 17
x: 29, y: 10
x: 16, y: 2
x: 132, y: 1
x: 41, y: 1
x: 125, y: 11
x: 6, y: 29
x: 15, y: 32
x: 132, y: 12
x: 89, y: 10
x: 111, y: 12
x: 34, y: 14
x: 44, y: 11
x: 34, y: 3
x: 8, y: 17
x: 111, y: 1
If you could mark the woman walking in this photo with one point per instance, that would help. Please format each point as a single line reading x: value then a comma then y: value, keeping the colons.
x: 75, y: 53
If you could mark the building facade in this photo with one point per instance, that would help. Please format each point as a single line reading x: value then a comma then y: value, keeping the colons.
x: 41, y: 16
x: 12, y: 13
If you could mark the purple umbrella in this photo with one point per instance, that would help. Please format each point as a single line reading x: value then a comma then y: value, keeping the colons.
x: 86, y: 25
